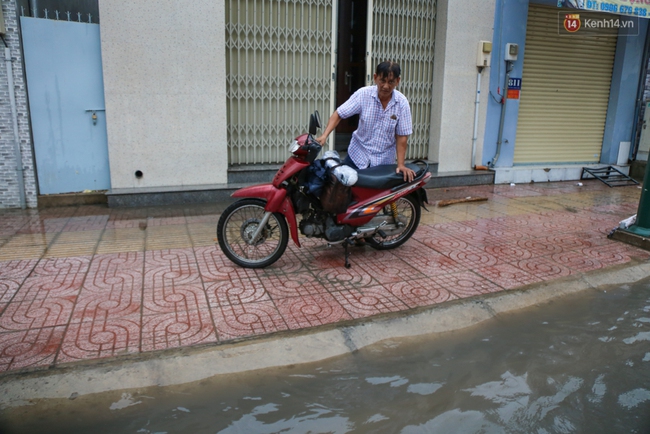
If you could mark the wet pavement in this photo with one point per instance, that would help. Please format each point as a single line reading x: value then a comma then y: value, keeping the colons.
x: 85, y: 283
x: 575, y: 366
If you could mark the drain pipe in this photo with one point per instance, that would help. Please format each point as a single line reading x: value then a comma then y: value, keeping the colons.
x: 14, y: 118
x: 504, y: 98
x: 476, y: 106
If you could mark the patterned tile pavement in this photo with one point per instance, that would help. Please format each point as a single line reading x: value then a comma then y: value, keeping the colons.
x: 83, y: 283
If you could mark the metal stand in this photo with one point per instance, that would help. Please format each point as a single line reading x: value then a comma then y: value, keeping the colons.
x: 346, y: 246
x: 609, y: 175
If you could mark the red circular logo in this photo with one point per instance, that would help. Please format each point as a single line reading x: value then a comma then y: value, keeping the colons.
x: 572, y: 23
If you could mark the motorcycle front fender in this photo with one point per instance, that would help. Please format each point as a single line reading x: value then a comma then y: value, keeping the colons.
x: 276, y: 201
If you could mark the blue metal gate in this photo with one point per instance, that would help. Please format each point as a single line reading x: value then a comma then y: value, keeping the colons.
x: 66, y: 98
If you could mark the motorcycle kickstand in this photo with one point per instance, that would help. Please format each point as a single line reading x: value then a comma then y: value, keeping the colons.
x: 346, y: 246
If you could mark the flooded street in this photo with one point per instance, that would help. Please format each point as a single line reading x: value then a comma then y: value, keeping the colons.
x: 579, y: 364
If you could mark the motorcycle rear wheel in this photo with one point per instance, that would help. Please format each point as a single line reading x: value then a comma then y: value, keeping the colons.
x: 235, y: 230
x: 409, y: 213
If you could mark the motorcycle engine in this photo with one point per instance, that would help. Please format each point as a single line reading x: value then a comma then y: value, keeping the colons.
x: 312, y: 225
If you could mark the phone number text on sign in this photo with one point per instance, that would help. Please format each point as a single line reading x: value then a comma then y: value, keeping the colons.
x: 638, y: 8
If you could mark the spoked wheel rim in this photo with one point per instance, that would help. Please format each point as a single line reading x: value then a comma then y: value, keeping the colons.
x: 237, y: 230
x: 408, y: 218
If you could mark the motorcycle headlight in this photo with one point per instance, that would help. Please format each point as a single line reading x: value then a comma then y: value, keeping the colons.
x: 294, y: 147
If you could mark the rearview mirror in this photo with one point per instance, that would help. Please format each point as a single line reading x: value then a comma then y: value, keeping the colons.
x: 314, y: 122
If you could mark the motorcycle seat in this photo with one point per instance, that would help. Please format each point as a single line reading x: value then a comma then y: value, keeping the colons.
x: 384, y: 177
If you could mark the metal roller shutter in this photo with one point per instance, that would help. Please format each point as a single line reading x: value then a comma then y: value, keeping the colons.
x: 565, y: 91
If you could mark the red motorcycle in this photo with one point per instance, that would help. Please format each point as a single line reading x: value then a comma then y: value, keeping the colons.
x: 383, y: 209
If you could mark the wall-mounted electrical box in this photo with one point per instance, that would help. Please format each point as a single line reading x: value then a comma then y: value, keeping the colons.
x: 512, y: 50
x: 484, y: 53
x: 2, y: 23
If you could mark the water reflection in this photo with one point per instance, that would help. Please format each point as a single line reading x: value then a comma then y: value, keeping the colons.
x: 579, y: 364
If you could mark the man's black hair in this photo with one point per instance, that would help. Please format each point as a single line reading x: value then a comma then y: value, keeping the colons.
x: 385, y: 69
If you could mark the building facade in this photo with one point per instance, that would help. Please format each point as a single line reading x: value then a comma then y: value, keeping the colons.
x: 577, y: 96
x: 202, y: 95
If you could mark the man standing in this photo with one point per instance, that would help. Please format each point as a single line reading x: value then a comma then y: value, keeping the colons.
x: 384, y: 123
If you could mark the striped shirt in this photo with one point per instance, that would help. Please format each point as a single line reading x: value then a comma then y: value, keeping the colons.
x: 374, y: 143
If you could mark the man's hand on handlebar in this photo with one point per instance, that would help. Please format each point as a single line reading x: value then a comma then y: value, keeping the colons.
x: 321, y: 140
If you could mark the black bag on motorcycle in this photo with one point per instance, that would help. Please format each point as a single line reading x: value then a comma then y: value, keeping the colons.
x: 336, y: 196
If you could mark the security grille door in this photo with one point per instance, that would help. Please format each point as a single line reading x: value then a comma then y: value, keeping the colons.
x: 565, y: 91
x: 279, y: 70
x: 404, y: 31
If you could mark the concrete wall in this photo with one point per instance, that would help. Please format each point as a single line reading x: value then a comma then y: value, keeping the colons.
x: 165, y: 89
x: 459, y: 28
x: 9, y: 190
x: 510, y: 27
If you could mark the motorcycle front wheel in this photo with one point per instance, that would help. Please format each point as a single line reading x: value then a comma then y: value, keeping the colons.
x: 236, y: 229
x: 408, y: 219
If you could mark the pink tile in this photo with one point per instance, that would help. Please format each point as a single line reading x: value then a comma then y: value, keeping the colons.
x: 171, y: 267
x: 32, y: 314
x: 60, y: 268
x: 427, y: 261
x: 508, y: 252
x: 593, y: 237
x: 170, y: 299
x: 385, y: 267
x: 122, y: 271
x: 317, y: 260
x: 465, y: 232
x: 8, y: 288
x: 179, y: 329
x: 110, y: 263
x: 289, y: 263
x: 292, y: 285
x: 567, y: 241
x: 117, y: 302
x: 421, y: 292
x: 507, y: 276
x: 251, y: 319
x: 311, y: 310
x: 372, y: 300
x: 213, y: 265
x: 443, y: 243
x: 17, y: 270
x: 340, y: 278
x: 608, y: 254
x: 484, y: 225
x: 36, y: 288
x: 226, y: 292
x: 473, y: 257
x: 543, y: 267
x: 29, y: 348
x: 465, y: 284
x: 577, y: 261
x: 540, y: 247
x: 99, y: 339
x: 509, y: 234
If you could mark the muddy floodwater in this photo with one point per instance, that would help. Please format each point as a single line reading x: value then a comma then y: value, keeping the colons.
x: 580, y: 364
